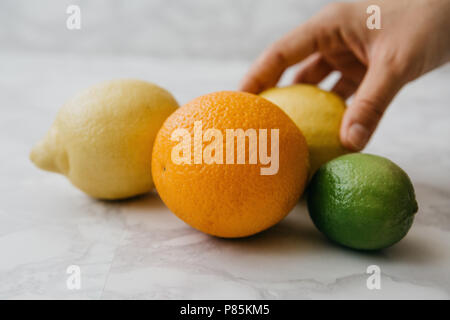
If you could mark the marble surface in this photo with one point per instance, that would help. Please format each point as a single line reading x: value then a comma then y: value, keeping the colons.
x: 137, y: 249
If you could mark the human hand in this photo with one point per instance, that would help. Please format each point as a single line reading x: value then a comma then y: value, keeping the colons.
x: 374, y: 64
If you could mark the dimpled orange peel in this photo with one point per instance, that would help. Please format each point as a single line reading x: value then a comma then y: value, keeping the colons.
x: 229, y: 199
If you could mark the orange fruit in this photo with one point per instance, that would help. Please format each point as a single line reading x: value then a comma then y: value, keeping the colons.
x: 230, y: 199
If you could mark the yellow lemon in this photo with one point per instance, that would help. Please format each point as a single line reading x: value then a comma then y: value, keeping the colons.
x: 318, y: 114
x: 102, y: 139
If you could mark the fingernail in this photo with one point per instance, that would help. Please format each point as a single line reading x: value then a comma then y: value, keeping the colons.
x: 358, y: 136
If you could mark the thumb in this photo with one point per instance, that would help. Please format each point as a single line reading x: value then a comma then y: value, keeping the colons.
x: 378, y: 88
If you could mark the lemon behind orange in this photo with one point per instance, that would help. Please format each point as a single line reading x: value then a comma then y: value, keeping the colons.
x: 230, y: 200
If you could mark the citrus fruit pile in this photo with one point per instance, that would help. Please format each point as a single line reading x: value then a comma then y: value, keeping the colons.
x: 230, y: 164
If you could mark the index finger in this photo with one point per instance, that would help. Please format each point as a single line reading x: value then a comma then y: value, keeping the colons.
x: 290, y: 49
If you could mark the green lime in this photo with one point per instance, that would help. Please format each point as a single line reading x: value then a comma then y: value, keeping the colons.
x: 362, y: 201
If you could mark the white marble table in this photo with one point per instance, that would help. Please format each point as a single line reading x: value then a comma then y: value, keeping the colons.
x: 139, y: 249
